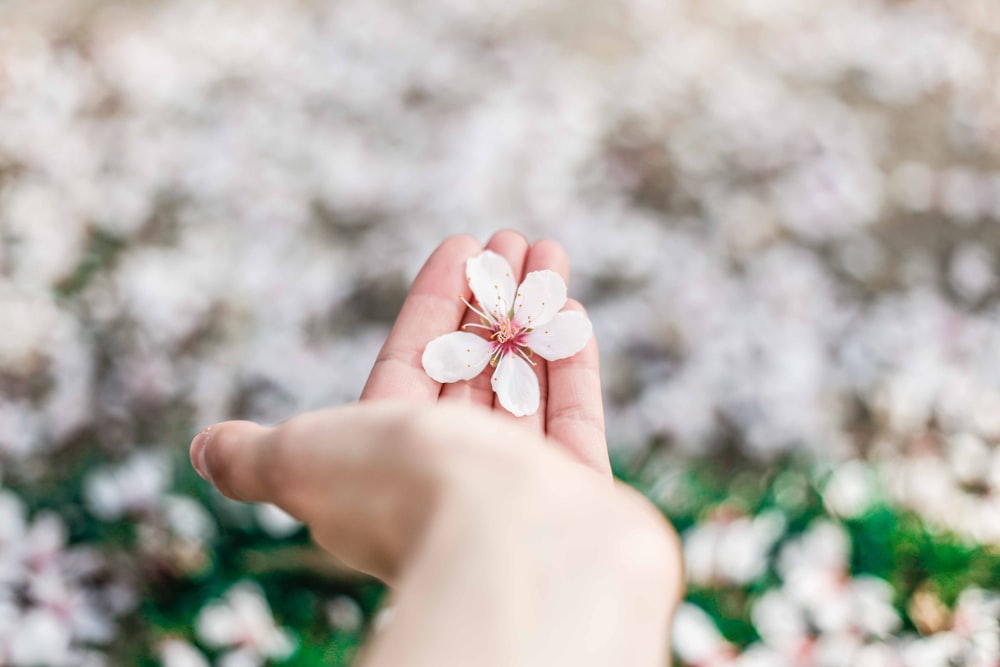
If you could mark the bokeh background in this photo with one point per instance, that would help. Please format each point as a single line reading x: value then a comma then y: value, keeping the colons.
x: 783, y: 217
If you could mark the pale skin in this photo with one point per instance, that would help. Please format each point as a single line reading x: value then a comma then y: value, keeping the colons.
x: 505, y: 540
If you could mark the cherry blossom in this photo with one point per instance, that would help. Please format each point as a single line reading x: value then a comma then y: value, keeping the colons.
x: 521, y: 320
x: 242, y: 622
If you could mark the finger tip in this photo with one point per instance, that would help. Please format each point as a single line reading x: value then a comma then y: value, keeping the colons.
x: 512, y: 246
x: 460, y: 244
x: 196, y: 452
x: 549, y: 254
x: 213, y: 447
x: 508, y: 236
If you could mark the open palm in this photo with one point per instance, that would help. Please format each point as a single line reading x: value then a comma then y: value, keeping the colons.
x: 571, y: 410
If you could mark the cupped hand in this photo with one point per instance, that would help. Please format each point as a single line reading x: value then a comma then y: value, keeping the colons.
x: 571, y: 411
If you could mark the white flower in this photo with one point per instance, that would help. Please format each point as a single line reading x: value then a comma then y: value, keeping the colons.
x: 817, y: 580
x: 977, y: 622
x: 851, y: 489
x: 188, y: 518
x: 41, y: 640
x: 344, y: 614
x: 697, y: 640
x: 244, y: 623
x: 133, y: 487
x: 179, y: 653
x: 275, y: 521
x: 521, y: 320
x: 731, y: 550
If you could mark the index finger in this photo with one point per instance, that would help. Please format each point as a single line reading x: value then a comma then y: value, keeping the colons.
x: 432, y: 308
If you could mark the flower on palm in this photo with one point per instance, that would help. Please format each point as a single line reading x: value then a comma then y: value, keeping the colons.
x: 521, y: 321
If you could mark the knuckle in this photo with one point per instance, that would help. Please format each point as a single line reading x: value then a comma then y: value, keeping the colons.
x: 442, y: 444
x: 579, y: 413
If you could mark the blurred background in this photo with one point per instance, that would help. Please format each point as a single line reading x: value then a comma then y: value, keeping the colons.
x: 783, y: 217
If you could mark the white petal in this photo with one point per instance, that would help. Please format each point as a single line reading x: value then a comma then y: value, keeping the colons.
x: 492, y: 282
x: 539, y: 298
x: 562, y: 336
x: 516, y: 386
x: 456, y: 356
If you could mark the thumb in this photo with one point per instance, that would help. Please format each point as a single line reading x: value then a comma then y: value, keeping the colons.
x: 360, y: 476
x: 232, y: 456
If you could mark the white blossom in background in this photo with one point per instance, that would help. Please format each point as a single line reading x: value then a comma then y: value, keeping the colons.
x: 851, y: 489
x: 955, y: 483
x: 187, y: 518
x: 973, y: 637
x: 243, y: 232
x: 731, y: 550
x: 698, y: 642
x: 135, y: 487
x: 972, y: 271
x: 344, y: 614
x: 976, y: 620
x: 241, y: 623
x: 275, y: 521
x: 173, y: 528
x: 180, y: 653
x: 815, y: 575
x: 49, y: 615
x: 821, y: 616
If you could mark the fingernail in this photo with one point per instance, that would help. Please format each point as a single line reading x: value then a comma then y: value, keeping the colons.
x: 198, y: 454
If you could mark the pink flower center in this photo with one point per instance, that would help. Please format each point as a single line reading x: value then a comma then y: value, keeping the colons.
x: 505, y: 331
x: 508, y: 337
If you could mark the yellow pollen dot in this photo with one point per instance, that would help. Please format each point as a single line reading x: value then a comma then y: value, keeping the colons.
x: 546, y: 331
x: 470, y: 349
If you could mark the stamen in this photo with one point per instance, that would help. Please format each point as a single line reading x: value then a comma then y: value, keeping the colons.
x: 505, y: 332
x: 477, y: 326
x: 520, y: 350
x: 476, y: 310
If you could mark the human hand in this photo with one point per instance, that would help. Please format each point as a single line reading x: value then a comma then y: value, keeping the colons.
x: 571, y: 411
x: 502, y: 551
